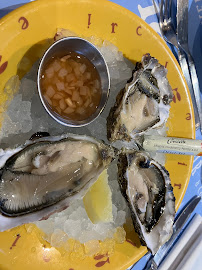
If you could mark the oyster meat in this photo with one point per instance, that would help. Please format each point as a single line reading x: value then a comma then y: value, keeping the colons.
x: 143, y: 104
x: 146, y: 186
x: 46, y: 175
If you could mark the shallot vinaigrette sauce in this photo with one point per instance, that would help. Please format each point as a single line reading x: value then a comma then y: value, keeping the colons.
x: 71, y: 86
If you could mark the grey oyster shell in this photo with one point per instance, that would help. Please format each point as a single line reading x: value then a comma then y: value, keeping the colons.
x: 146, y: 186
x: 50, y: 170
x: 143, y: 104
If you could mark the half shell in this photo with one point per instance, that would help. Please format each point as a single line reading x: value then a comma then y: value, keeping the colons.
x: 146, y: 186
x: 143, y: 104
x: 48, y: 174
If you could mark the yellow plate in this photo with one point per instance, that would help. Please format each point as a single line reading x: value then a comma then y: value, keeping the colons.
x: 24, y: 34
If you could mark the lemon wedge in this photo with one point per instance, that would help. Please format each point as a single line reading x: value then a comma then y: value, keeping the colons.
x: 98, y: 200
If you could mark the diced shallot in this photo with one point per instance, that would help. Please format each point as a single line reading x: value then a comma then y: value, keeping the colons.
x: 68, y: 110
x: 60, y: 86
x: 70, y: 103
x: 83, y: 68
x: 75, y: 95
x: 50, y: 91
x: 58, y: 109
x: 77, y: 71
x: 56, y: 66
x: 49, y: 72
x: 88, y: 75
x: 55, y: 102
x: 62, y: 73
x: 87, y: 103
x: 62, y: 104
x: 57, y: 96
x: 68, y: 91
x: 80, y: 101
x: 48, y: 99
x: 68, y: 68
x: 83, y: 90
x: 79, y: 83
x: 64, y: 58
x: 88, y: 92
x: 70, y: 77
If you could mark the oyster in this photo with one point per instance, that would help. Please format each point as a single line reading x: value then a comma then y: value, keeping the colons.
x: 143, y: 104
x: 146, y: 186
x: 46, y: 175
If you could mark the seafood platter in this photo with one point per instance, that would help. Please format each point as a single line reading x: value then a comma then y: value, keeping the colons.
x: 87, y: 196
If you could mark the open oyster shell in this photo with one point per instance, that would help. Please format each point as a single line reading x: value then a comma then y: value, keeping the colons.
x: 146, y: 186
x: 45, y: 176
x: 143, y: 104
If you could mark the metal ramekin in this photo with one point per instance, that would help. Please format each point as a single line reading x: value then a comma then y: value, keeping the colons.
x: 84, y: 47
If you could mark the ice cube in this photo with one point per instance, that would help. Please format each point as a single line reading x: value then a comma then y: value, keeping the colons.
x: 58, y: 238
x: 92, y: 247
x: 46, y: 226
x: 121, y: 218
x: 120, y: 235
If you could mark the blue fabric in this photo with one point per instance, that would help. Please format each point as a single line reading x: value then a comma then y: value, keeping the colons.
x: 141, y: 8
